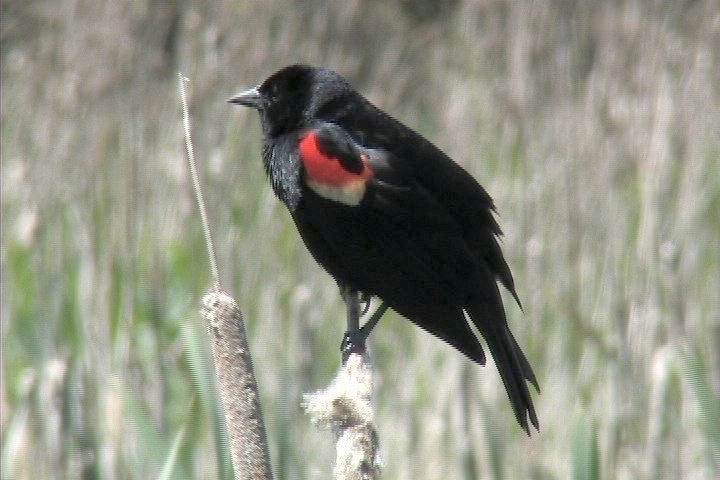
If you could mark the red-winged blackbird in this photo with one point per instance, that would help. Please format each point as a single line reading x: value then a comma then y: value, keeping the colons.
x: 388, y: 214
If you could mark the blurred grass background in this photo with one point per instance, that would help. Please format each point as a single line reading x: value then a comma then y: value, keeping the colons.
x: 594, y: 125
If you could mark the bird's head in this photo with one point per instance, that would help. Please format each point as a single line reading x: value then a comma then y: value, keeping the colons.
x: 290, y: 98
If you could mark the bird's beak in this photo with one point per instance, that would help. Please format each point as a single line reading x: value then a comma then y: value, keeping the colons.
x: 248, y: 98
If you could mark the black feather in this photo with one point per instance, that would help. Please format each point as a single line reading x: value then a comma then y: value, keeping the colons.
x: 423, y: 238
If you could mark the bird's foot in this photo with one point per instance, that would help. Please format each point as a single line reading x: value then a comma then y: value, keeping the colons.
x: 365, y: 300
x: 353, y: 342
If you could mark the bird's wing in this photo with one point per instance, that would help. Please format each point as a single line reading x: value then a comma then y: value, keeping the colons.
x: 452, y: 187
x: 334, y: 167
x: 339, y: 169
x: 378, y: 214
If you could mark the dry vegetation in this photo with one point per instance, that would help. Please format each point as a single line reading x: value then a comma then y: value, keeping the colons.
x: 595, y: 126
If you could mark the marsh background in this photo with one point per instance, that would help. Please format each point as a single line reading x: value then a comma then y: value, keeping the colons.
x: 594, y: 125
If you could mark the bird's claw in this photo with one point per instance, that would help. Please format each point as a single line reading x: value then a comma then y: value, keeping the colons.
x: 365, y: 299
x: 352, y: 342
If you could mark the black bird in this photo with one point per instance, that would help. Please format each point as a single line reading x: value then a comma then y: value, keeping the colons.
x: 388, y: 214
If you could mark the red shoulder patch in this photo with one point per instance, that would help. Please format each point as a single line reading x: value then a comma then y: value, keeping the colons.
x: 327, y: 170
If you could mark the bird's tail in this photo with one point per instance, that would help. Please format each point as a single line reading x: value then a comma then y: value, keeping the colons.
x: 511, y: 362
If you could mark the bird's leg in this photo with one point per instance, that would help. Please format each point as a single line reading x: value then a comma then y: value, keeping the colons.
x: 353, y: 340
x: 370, y: 324
x: 352, y: 301
x: 365, y: 300
x: 355, y: 336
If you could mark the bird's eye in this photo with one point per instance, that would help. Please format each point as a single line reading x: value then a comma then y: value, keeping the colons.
x: 273, y: 94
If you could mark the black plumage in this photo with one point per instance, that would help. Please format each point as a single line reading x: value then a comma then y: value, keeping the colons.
x: 387, y: 213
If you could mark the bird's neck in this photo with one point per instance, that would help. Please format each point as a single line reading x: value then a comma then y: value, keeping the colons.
x: 282, y: 165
